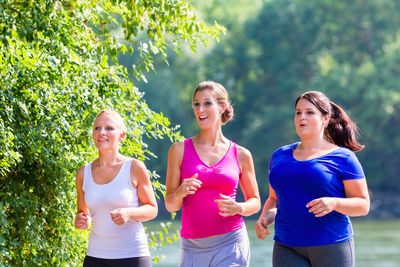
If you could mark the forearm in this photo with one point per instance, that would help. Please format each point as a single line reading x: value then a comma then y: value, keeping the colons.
x: 250, y: 206
x: 354, y: 206
x: 269, y: 210
x: 143, y: 213
x: 173, y: 202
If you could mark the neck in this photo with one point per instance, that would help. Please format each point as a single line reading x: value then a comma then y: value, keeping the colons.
x: 312, y: 143
x: 108, y: 157
x: 211, y: 136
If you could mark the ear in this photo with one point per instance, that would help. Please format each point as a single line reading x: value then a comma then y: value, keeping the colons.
x: 325, y: 120
x: 121, y: 136
x: 223, y: 108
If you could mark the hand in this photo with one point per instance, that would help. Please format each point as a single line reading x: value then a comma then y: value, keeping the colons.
x: 321, y: 206
x: 82, y: 221
x: 228, y: 206
x: 120, y: 216
x: 261, y: 227
x: 189, y: 186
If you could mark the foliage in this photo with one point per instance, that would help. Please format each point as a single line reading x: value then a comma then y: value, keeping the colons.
x: 55, y: 76
x: 159, y: 238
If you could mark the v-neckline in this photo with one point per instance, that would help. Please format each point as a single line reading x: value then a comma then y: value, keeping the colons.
x: 205, y: 164
x: 116, y: 176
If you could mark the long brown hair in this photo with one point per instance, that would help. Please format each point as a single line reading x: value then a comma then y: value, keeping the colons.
x: 341, y: 130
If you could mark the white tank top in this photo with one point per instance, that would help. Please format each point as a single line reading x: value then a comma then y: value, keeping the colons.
x: 108, y: 240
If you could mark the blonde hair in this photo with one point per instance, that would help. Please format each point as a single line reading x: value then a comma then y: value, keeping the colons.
x: 221, y: 96
x: 115, y: 115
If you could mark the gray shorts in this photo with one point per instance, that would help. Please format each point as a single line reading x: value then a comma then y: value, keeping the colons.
x: 227, y: 250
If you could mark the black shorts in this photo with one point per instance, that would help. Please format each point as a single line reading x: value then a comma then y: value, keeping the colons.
x: 127, y: 262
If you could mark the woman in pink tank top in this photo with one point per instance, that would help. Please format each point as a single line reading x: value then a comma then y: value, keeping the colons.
x: 202, y: 179
x: 114, y: 196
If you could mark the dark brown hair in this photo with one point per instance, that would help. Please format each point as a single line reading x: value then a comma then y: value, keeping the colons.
x: 341, y: 130
x: 221, y: 96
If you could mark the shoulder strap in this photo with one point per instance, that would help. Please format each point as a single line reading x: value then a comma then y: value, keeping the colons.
x: 87, y: 177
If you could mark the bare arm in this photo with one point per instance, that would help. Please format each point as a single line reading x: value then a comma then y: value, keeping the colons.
x: 249, y: 187
x: 175, y: 190
x: 148, y: 205
x: 248, y: 183
x: 356, y: 202
x: 267, y: 216
x: 82, y: 218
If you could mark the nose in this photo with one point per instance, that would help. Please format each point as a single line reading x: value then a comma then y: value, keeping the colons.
x: 201, y: 107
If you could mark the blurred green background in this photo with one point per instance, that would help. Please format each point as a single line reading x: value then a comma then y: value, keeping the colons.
x: 275, y: 50
x: 272, y: 52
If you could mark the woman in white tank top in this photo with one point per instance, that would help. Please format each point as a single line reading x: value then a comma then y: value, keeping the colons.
x: 114, y: 195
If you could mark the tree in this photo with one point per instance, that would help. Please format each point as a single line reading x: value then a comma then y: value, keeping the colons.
x: 348, y: 50
x: 58, y: 68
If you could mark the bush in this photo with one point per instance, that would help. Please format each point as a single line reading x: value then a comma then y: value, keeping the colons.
x: 55, y: 76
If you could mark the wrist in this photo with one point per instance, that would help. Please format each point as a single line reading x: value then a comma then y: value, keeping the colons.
x: 335, y: 202
x: 242, y: 209
x: 179, y: 194
x: 130, y: 213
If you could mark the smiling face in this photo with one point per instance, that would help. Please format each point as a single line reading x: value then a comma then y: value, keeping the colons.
x: 107, y: 132
x: 206, y: 109
x: 309, y: 121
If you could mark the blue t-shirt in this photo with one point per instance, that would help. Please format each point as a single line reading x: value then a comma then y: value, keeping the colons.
x: 298, y: 182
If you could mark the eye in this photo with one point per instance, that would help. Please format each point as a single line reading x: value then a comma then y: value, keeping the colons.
x: 310, y: 112
x: 298, y: 113
x: 97, y: 128
x: 196, y: 104
x: 208, y: 103
x: 109, y: 128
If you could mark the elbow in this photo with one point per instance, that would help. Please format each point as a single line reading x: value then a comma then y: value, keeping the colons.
x: 154, y: 213
x: 365, y: 210
x: 171, y: 208
x: 150, y: 213
x: 257, y: 205
x: 366, y: 206
x: 171, y: 204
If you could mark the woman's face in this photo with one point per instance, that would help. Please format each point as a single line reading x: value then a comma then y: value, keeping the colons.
x: 207, y: 110
x: 308, y: 120
x: 107, y: 133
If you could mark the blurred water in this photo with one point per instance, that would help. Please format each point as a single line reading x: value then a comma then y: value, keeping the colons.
x: 377, y: 244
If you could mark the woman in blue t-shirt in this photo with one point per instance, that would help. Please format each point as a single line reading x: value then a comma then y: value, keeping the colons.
x: 315, y: 184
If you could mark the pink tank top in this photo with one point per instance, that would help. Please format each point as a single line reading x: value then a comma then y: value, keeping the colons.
x: 200, y: 216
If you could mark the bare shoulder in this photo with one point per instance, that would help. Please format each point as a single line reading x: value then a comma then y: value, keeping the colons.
x: 138, y: 163
x: 79, y: 178
x: 138, y: 167
x: 243, y: 153
x: 80, y: 173
x: 177, y: 148
x: 139, y: 173
x: 175, y: 154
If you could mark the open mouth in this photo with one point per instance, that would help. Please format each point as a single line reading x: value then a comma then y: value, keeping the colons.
x: 202, y: 118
